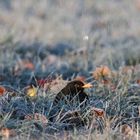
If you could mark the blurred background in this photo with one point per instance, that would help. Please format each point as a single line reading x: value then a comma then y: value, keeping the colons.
x: 68, y: 37
x: 52, y: 21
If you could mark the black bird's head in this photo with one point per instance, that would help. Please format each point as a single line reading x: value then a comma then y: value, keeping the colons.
x: 78, y: 85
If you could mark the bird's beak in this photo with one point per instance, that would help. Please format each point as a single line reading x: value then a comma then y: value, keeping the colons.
x: 88, y: 85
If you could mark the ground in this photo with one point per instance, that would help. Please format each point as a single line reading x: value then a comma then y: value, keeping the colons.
x: 44, y: 44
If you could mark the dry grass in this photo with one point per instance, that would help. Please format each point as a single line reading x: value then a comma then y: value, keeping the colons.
x: 52, y: 35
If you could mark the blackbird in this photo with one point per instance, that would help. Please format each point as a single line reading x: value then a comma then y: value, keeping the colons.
x: 73, y: 91
x: 72, y: 94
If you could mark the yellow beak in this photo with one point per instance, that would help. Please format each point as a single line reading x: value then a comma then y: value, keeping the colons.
x: 88, y: 85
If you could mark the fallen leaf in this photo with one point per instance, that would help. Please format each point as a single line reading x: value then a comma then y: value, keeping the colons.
x: 23, y: 64
x: 127, y: 69
x: 98, y: 112
x: 6, y: 132
x: 37, y: 117
x: 2, y: 90
x: 31, y: 91
x: 55, y: 85
x: 44, y: 82
x: 105, y: 71
x: 28, y: 65
x: 101, y: 72
x: 127, y: 132
x: 41, y: 82
x: 138, y: 81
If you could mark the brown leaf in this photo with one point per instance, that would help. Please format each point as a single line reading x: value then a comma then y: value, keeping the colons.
x: 127, y: 69
x: 28, y: 65
x: 2, y: 90
x: 127, y: 132
x: 138, y: 81
x: 98, y: 112
x: 7, y: 133
x: 55, y: 86
x: 101, y: 72
x: 37, y: 117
